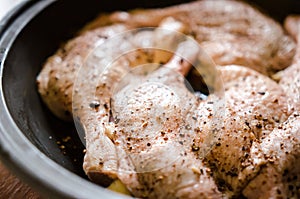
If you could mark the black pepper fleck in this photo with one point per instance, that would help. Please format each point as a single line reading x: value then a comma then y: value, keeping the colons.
x: 105, y: 106
x: 94, y: 104
x: 195, y: 148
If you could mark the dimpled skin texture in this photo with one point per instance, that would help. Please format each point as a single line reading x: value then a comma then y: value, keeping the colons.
x: 230, y: 32
x: 290, y: 78
x: 279, y: 178
x: 280, y: 175
x: 147, y: 151
x: 255, y: 108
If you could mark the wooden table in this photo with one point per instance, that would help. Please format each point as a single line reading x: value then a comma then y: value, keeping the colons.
x: 12, y: 187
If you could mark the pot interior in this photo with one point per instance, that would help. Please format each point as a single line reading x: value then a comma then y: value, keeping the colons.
x: 39, y: 39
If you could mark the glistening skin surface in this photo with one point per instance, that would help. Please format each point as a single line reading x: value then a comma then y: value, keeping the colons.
x: 254, y: 130
x: 246, y: 40
x: 138, y: 120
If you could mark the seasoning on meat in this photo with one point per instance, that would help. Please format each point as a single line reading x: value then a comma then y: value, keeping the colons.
x: 149, y: 136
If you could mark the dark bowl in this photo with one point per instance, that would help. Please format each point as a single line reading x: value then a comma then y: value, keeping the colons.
x: 33, y: 143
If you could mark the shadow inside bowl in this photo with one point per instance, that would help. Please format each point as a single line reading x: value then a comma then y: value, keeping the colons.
x: 33, y: 43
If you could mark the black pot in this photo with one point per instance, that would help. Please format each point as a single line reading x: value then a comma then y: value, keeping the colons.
x: 33, y: 143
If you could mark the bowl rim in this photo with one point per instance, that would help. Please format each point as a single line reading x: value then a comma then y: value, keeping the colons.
x: 16, y: 152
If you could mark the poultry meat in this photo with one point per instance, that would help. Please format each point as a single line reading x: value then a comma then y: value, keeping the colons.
x: 144, y: 127
x: 231, y: 32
